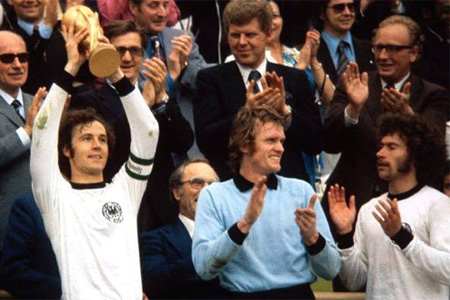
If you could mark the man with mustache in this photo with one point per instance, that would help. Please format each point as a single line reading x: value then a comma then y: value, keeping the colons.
x: 400, y: 247
x: 350, y: 124
x: 176, y: 135
x: 166, y: 259
x: 16, y: 123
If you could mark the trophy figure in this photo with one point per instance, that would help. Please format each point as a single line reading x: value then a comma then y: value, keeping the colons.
x: 104, y: 59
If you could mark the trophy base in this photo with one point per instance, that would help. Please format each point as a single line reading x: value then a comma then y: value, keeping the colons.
x: 104, y: 61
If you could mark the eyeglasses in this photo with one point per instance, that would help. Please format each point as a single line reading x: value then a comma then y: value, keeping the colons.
x: 390, y: 49
x: 339, y: 8
x: 135, y: 51
x: 197, y: 182
x: 8, y: 58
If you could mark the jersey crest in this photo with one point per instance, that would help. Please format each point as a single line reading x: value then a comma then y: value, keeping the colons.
x: 112, y: 211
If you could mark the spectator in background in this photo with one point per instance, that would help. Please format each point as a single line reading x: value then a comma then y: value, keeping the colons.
x: 176, y: 135
x: 28, y: 262
x: 223, y: 89
x: 434, y: 63
x: 166, y: 258
x: 16, y: 124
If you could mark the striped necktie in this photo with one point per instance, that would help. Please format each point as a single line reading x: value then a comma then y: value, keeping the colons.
x: 343, y: 59
x: 17, y: 105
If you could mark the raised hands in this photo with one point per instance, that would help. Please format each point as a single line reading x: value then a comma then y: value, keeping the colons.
x: 306, y: 220
x: 34, y: 109
x: 273, y: 93
x: 397, y: 101
x: 74, y: 58
x: 254, y: 207
x: 388, y: 216
x: 154, y: 88
x: 51, y: 12
x: 343, y: 216
x: 181, y: 48
x: 356, y: 87
x: 308, y: 53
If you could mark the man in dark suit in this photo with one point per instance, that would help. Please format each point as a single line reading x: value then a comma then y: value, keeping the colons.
x: 350, y: 126
x: 223, y: 89
x: 336, y: 18
x: 28, y: 263
x: 16, y: 123
x: 176, y: 135
x: 166, y: 262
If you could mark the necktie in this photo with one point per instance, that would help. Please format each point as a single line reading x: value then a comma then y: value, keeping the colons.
x: 255, y: 76
x: 389, y: 86
x: 343, y: 59
x: 16, y: 104
x: 158, y: 51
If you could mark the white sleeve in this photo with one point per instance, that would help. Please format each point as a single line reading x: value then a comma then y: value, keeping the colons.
x: 144, y: 131
x: 45, y: 173
x: 434, y: 259
x: 353, y: 272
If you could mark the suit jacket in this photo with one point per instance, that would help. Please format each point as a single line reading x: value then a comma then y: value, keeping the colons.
x: 15, y: 178
x: 363, y: 53
x: 167, y: 268
x: 221, y: 93
x: 28, y: 263
x: 356, y: 169
x: 175, y: 136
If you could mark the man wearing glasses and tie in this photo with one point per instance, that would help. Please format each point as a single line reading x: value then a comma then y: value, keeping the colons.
x: 166, y: 262
x: 350, y: 125
x: 16, y: 122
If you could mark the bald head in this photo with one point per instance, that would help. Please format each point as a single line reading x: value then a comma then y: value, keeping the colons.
x: 13, y: 62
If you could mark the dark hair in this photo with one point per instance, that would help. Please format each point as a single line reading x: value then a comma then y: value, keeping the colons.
x: 117, y: 28
x: 244, y: 129
x: 69, y: 121
x: 242, y: 12
x: 175, y: 177
x: 423, y: 139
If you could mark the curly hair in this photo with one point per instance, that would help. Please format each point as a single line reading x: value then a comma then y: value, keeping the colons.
x: 244, y: 129
x: 242, y: 12
x: 423, y: 139
x: 70, y: 120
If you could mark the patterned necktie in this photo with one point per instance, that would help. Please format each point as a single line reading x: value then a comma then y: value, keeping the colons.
x: 343, y: 59
x: 16, y: 104
x: 158, y: 50
x: 255, y: 76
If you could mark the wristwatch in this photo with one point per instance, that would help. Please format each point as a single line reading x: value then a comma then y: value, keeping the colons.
x: 165, y: 99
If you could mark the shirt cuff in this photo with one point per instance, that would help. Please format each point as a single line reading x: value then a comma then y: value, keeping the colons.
x: 348, y: 120
x: 317, y: 247
x: 345, y: 241
x: 403, y: 238
x: 236, y: 235
x: 23, y: 136
x: 124, y: 86
x: 64, y: 81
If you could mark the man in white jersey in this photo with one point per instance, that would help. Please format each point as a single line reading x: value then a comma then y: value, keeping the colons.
x: 401, y: 247
x: 91, y: 225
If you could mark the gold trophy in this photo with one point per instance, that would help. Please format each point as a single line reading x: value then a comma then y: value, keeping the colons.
x: 104, y: 59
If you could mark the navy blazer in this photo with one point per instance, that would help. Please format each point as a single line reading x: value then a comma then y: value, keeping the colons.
x: 167, y: 268
x: 28, y: 263
x: 221, y: 93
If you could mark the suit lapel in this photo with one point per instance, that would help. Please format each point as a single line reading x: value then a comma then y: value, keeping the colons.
x: 167, y: 40
x: 9, y: 112
x: 235, y: 87
x: 373, y: 105
x: 27, y: 99
x: 325, y: 58
x: 178, y: 235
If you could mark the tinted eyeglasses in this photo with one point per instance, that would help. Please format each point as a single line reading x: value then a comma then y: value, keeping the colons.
x: 8, y: 58
x: 135, y: 51
x: 390, y: 49
x: 339, y: 8
x: 197, y: 182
